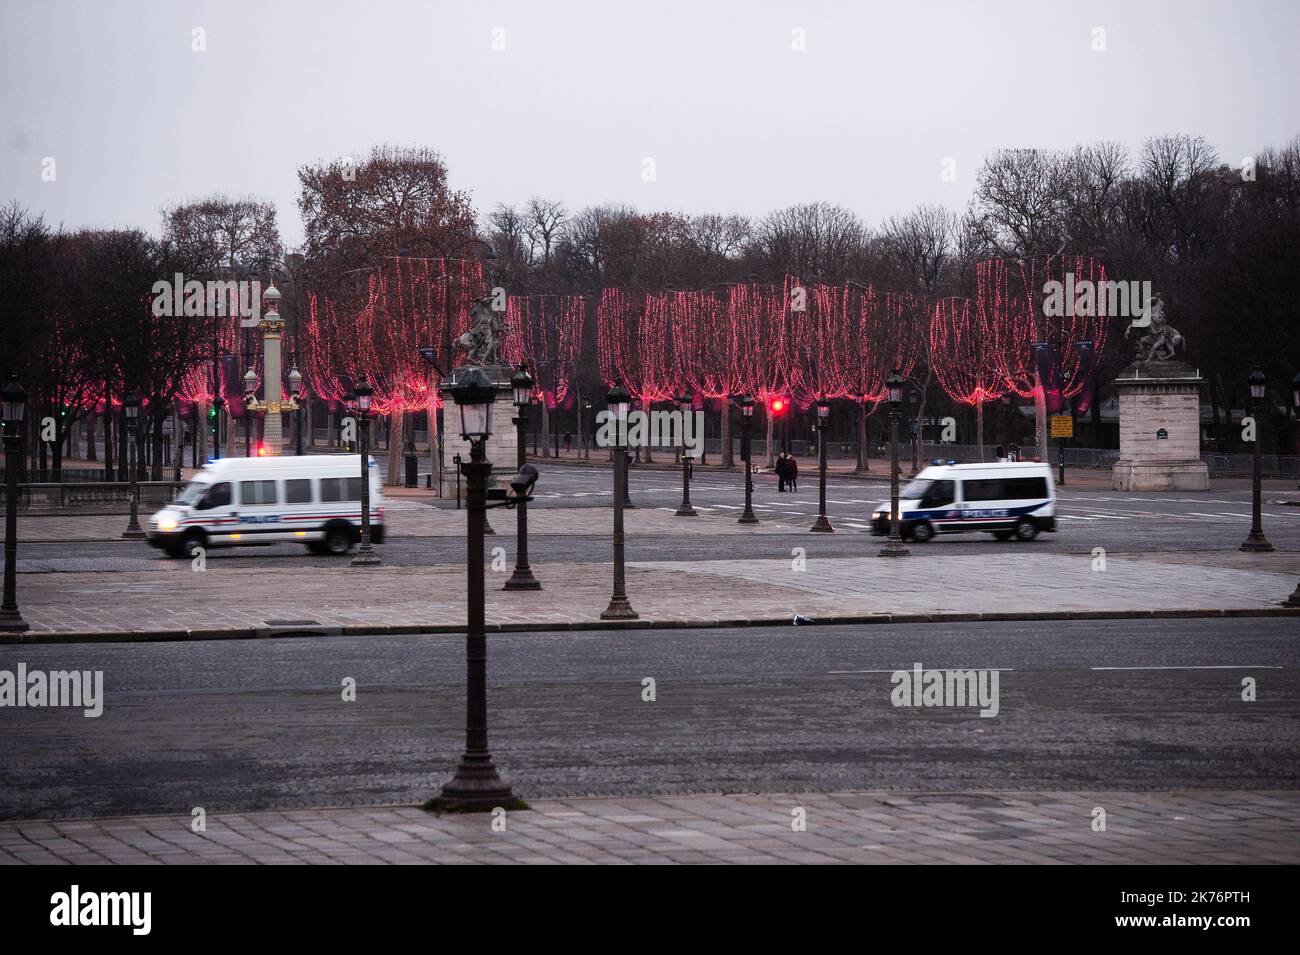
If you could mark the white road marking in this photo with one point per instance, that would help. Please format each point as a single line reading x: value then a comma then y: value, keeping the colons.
x: 1229, y: 666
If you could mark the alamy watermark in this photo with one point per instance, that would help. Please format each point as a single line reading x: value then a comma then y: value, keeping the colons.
x: 37, y: 688
x: 920, y: 688
x: 179, y: 298
x: 655, y: 429
x: 1088, y: 299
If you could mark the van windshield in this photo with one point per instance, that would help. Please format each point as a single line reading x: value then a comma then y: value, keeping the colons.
x: 915, y: 489
x: 191, y: 493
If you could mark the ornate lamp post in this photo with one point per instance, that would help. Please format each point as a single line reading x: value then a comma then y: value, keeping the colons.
x: 864, y: 452
x: 477, y: 786
x: 1295, y: 400
x: 1255, y: 541
x: 894, y: 546
x: 295, y: 390
x: 250, y: 402
x: 686, y: 404
x: 822, y: 525
x: 218, y: 404
x: 131, y: 401
x: 521, y: 383
x: 747, y: 423
x: 272, y: 327
x: 366, y: 556
x: 620, y: 608
x: 15, y: 403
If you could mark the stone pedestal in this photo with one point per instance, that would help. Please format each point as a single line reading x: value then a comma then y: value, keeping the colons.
x: 502, y: 446
x: 1160, y: 429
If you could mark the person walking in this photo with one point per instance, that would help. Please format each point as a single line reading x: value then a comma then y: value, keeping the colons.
x: 792, y: 473
x: 782, y: 470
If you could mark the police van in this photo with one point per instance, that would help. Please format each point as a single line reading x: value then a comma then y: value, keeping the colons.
x: 310, y: 499
x: 1006, y: 499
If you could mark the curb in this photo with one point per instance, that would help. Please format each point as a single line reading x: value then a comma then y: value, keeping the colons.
x: 351, y: 630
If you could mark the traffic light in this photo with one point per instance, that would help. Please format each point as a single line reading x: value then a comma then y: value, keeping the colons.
x: 777, y: 406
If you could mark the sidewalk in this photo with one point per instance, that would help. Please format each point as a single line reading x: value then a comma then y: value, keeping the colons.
x: 176, y: 602
x: 981, y: 827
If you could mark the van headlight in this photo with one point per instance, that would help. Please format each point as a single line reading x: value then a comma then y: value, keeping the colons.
x: 167, y: 523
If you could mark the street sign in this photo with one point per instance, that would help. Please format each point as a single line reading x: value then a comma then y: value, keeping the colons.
x: 1162, y: 435
x: 1062, y: 426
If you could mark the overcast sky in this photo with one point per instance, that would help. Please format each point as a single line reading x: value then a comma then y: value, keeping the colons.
x: 734, y: 118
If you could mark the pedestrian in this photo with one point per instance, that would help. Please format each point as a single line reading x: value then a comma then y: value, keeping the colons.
x: 1013, y: 452
x: 1001, y: 453
x: 781, y: 470
x: 792, y: 472
x: 568, y: 442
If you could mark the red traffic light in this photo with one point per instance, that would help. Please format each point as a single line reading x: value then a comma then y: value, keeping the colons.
x: 776, y: 406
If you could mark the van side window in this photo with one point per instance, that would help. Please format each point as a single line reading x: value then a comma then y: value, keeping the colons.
x: 938, y: 494
x: 297, y: 491
x: 218, y: 496
x: 354, y: 489
x: 1026, y: 487
x: 331, y: 489
x: 988, y: 489
x: 256, y: 492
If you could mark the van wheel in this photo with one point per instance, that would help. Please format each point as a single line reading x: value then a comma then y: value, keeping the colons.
x: 338, y: 539
x: 189, y: 542
x: 1002, y: 535
x: 922, y: 532
x: 1026, y: 530
x: 317, y: 547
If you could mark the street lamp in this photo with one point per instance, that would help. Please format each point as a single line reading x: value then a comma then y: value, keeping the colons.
x: 864, y: 452
x: 295, y: 390
x: 366, y: 556
x: 15, y: 403
x: 894, y: 546
x: 1295, y: 403
x: 747, y: 422
x: 521, y: 383
x: 250, y: 398
x: 686, y: 405
x: 822, y: 525
x: 218, y: 403
x: 131, y: 401
x: 1255, y: 541
x: 586, y: 434
x: 477, y: 786
x: 620, y: 608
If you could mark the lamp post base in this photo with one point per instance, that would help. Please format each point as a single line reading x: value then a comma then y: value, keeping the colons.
x: 11, y: 621
x: 522, y: 579
x: 619, y: 609
x: 1256, y: 544
x: 136, y: 534
x: 747, y: 518
x: 476, y: 787
x: 366, y: 557
x: 894, y: 548
x: 1294, y: 599
x: 821, y: 526
x: 487, y: 528
x: 686, y: 511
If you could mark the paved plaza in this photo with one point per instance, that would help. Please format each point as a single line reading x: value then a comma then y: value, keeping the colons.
x: 824, y: 828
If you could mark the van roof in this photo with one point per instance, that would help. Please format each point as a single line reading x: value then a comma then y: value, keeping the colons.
x: 292, y: 462
x: 1035, y: 467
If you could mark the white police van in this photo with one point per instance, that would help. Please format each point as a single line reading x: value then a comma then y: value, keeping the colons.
x: 1007, y: 499
x: 309, y: 499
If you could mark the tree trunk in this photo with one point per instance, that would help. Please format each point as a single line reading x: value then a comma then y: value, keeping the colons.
x: 395, y: 422
x: 979, y: 428
x: 546, y: 430
x: 771, y: 451
x: 864, y: 452
x: 724, y: 426
x: 92, y: 454
x: 1040, y: 419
